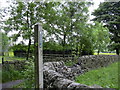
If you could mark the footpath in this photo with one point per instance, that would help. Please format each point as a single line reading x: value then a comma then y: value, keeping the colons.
x: 10, y: 84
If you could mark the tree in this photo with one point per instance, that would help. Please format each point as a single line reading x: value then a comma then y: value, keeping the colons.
x: 78, y: 22
x: 4, y: 43
x: 22, y: 21
x: 101, y: 35
x: 109, y: 14
x: 23, y: 18
x: 69, y: 19
x: 63, y: 20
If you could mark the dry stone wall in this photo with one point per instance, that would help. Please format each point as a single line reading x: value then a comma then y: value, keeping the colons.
x: 95, y: 61
x: 17, y: 65
x: 57, y: 75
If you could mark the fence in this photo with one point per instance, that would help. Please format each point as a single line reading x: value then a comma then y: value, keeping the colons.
x: 57, y: 57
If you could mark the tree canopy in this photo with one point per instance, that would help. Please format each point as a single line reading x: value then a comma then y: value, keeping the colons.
x: 109, y: 14
x: 65, y: 25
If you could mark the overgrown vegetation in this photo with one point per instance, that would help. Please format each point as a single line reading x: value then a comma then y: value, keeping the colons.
x: 70, y: 63
x: 11, y: 74
x: 28, y: 76
x: 106, y: 77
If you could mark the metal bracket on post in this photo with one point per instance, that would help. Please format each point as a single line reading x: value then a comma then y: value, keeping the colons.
x: 38, y: 56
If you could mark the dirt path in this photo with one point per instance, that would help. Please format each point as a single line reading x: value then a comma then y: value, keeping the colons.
x: 11, y: 84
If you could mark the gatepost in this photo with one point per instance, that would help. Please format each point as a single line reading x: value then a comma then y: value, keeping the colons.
x: 38, y: 33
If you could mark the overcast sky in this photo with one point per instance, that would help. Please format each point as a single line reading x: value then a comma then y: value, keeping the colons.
x: 4, y: 3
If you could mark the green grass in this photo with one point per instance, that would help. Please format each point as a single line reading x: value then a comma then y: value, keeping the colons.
x: 11, y: 54
x: 6, y: 58
x: 106, y: 77
x: 13, y: 58
x: 105, y: 53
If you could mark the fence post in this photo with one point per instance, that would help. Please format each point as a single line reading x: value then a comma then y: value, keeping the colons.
x: 38, y: 56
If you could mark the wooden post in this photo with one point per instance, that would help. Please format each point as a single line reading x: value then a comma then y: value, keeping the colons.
x: 38, y: 56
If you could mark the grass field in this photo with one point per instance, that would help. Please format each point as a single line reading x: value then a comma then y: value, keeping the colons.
x: 105, y: 54
x: 11, y: 58
x: 106, y: 77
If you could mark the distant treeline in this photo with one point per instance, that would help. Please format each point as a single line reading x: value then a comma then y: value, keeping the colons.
x: 22, y: 53
x: 20, y: 50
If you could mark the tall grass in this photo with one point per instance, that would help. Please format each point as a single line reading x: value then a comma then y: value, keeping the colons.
x: 106, y: 77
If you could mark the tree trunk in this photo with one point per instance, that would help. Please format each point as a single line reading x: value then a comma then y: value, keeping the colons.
x: 98, y: 52
x: 64, y: 38
x: 117, y: 51
x: 3, y: 48
x: 80, y: 50
x: 77, y: 50
x: 117, y: 48
x: 28, y: 52
x: 2, y: 57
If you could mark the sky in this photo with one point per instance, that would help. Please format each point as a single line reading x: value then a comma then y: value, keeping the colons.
x: 6, y: 3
